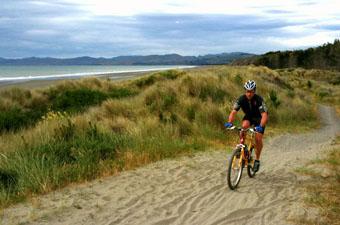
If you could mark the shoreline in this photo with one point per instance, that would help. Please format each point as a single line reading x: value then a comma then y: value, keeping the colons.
x: 116, y: 76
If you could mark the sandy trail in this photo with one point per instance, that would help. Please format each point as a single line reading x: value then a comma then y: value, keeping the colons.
x: 189, y: 190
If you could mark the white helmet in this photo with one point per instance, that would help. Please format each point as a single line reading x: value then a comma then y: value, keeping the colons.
x: 250, y: 85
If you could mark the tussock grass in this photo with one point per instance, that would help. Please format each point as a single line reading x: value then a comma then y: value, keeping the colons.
x: 94, y: 127
x: 324, y: 85
x: 323, y: 188
x: 24, y: 108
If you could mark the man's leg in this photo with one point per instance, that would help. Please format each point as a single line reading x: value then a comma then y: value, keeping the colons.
x: 259, y: 145
x: 245, y: 125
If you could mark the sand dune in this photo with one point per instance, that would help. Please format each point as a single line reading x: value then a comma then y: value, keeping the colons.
x: 189, y: 190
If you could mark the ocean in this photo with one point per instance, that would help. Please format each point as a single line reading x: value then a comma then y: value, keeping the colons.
x: 9, y: 74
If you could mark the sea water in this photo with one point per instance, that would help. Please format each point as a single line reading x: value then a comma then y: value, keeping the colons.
x: 26, y: 73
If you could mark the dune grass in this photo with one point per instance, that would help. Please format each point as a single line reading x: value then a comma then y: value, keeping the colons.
x: 92, y: 127
x: 24, y: 108
x: 323, y: 187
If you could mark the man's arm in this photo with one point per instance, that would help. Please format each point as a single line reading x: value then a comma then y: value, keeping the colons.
x: 264, y: 119
x: 264, y: 113
x: 232, y: 116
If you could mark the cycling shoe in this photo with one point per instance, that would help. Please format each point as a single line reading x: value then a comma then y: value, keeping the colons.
x: 256, y: 165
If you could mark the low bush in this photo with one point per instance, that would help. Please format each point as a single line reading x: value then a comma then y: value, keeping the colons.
x: 16, y: 118
x: 76, y: 100
x: 171, y: 74
x: 274, y: 100
x: 145, y: 81
x: 121, y: 93
x: 191, y: 113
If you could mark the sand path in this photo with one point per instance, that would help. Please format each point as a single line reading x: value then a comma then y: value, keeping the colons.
x: 189, y: 190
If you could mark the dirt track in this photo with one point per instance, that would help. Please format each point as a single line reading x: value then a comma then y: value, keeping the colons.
x: 189, y: 190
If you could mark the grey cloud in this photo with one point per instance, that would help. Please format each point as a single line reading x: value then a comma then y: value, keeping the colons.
x: 59, y: 30
x: 182, y: 26
x: 37, y: 9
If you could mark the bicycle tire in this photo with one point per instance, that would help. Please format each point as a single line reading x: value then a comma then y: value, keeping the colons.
x: 233, y: 158
x: 250, y: 170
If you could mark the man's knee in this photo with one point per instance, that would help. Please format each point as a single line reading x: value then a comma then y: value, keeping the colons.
x: 245, y: 124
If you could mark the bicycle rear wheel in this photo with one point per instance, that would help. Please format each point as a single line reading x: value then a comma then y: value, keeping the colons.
x: 235, y: 168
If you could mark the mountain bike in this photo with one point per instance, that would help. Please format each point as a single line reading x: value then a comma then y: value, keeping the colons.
x: 242, y: 156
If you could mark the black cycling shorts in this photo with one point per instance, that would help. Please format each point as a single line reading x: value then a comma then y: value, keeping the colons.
x: 254, y: 121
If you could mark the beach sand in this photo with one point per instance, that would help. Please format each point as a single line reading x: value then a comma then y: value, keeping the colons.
x: 33, y: 84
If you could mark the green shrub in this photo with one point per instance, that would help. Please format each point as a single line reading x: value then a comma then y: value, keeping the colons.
x: 169, y: 99
x: 121, y: 92
x: 171, y: 74
x: 190, y: 113
x: 309, y: 84
x: 77, y: 100
x: 16, y: 118
x: 8, y: 180
x: 12, y: 119
x: 147, y: 81
x: 324, y: 93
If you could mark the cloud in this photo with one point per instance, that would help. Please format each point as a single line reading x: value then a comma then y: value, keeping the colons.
x: 305, y: 41
x: 330, y: 26
x: 68, y: 28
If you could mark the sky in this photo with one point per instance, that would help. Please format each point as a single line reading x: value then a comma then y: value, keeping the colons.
x: 103, y: 28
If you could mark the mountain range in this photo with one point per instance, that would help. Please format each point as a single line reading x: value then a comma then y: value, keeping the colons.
x: 168, y: 59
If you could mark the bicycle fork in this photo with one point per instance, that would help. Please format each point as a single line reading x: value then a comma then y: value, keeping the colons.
x: 245, y: 153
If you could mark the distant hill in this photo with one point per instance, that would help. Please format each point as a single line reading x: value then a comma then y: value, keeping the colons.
x: 169, y: 59
x: 326, y: 56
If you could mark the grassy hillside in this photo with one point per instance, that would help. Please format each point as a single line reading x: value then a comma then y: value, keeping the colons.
x: 80, y: 130
x: 326, y: 56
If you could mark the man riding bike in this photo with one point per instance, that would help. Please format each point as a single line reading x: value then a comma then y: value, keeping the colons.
x: 256, y: 114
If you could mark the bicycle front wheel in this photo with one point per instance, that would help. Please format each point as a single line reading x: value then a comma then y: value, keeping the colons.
x: 235, y: 168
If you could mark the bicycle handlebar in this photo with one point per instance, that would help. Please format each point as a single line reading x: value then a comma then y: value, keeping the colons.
x: 252, y: 130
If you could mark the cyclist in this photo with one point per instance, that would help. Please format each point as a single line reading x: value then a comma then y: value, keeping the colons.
x: 256, y: 114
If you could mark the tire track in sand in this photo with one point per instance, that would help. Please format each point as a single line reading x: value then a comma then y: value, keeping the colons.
x: 189, y: 190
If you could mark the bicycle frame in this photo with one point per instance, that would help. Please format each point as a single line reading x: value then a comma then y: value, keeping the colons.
x: 250, y: 145
x: 240, y: 158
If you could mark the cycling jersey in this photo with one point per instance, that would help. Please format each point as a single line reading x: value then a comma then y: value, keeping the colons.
x: 252, y: 108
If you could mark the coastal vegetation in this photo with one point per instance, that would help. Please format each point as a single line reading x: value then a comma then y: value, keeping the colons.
x: 326, y: 56
x: 79, y: 130
x: 323, y: 187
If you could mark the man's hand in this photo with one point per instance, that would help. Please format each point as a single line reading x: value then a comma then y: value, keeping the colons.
x: 228, y: 125
x: 259, y: 129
